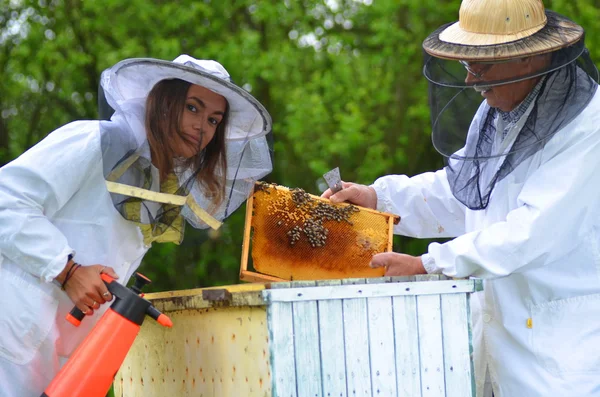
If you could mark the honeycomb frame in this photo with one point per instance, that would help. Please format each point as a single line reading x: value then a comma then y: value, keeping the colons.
x: 293, y: 235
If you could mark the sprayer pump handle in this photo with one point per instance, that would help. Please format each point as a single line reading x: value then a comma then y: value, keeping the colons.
x: 140, y: 282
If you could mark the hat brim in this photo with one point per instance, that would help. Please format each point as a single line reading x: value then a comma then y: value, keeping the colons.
x: 452, y: 42
x: 133, y: 79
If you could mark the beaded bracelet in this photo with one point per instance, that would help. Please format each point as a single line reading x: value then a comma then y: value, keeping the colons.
x: 70, y: 273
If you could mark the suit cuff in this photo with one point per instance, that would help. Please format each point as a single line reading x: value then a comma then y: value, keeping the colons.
x: 429, y: 264
x: 57, y: 265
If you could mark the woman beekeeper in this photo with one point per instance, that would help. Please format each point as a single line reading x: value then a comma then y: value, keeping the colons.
x: 184, y: 144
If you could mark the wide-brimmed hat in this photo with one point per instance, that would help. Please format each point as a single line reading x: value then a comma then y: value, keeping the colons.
x: 495, y: 30
x: 137, y: 190
x: 132, y: 79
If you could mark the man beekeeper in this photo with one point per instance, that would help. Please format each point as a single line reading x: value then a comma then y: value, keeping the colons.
x: 520, y: 194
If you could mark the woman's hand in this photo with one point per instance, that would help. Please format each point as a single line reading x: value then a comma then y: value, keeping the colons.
x: 86, y: 288
x: 362, y: 195
x: 398, y: 264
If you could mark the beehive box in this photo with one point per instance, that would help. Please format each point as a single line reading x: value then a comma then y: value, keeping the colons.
x: 348, y: 338
x: 292, y: 235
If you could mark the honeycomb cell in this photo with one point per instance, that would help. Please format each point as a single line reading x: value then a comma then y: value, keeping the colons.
x: 298, y: 236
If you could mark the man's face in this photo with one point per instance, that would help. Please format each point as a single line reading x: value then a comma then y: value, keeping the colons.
x: 504, y: 97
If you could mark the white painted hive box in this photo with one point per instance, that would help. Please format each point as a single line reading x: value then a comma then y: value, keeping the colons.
x: 377, y: 337
x: 372, y: 339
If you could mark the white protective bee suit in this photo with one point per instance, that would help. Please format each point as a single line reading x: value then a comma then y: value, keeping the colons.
x: 53, y: 202
x: 536, y: 324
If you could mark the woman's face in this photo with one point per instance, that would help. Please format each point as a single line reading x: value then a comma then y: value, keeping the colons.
x: 203, y: 112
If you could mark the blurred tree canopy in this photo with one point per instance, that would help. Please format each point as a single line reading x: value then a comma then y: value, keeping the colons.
x: 341, y: 79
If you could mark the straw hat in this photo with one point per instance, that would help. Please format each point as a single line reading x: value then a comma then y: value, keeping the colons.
x: 502, y: 29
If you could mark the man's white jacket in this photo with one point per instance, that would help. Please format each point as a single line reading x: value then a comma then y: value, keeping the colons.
x: 53, y: 202
x: 536, y: 325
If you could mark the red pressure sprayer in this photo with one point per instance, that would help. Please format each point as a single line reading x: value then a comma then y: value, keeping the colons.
x: 91, y: 369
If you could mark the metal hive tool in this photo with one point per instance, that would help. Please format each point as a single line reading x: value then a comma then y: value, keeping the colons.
x: 333, y: 180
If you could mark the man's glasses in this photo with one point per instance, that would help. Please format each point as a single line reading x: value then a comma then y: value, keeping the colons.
x: 484, y: 66
x: 479, y: 74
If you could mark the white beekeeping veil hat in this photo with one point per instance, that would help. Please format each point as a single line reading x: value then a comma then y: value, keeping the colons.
x: 132, y: 179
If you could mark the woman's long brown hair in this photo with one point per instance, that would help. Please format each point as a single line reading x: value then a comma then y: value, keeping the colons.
x: 164, y: 110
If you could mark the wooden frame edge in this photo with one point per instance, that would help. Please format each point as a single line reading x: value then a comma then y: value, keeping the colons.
x: 254, y: 277
x: 391, y: 224
x: 247, y: 230
x: 395, y: 217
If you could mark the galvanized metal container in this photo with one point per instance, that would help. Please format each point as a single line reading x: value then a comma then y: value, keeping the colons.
x: 347, y: 338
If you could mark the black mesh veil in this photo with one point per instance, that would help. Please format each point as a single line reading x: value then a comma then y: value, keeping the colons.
x: 161, y: 207
x: 480, y: 146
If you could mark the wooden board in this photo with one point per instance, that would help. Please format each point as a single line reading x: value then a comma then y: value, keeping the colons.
x: 356, y: 343
x: 331, y: 344
x: 208, y: 352
x: 376, y: 337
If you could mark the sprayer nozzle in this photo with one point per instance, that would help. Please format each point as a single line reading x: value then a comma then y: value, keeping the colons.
x: 164, y: 321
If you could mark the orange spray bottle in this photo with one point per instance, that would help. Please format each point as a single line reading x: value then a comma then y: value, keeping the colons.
x: 91, y: 369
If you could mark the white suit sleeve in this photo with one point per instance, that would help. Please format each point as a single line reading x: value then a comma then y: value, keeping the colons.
x: 558, y: 205
x: 424, y: 203
x: 36, y: 186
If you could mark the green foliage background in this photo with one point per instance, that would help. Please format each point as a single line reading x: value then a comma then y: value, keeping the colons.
x: 341, y: 79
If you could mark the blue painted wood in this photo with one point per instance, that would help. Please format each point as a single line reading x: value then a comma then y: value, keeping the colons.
x: 377, y: 337
x: 356, y: 344
x: 332, y: 345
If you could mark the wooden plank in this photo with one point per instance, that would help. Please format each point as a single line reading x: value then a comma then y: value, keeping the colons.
x: 356, y: 344
x: 254, y: 277
x: 457, y: 363
x: 210, y: 353
x: 220, y: 294
x: 427, y: 277
x: 321, y: 283
x: 306, y: 346
x: 246, y: 240
x: 381, y: 345
x: 283, y: 363
x: 391, y: 222
x: 370, y: 290
x: 378, y: 280
x: 235, y: 288
x: 402, y: 279
x: 408, y: 368
x: 353, y: 281
x: 303, y: 283
x: 333, y: 357
x: 279, y: 285
x: 430, y: 345
x: 193, y: 299
x: 326, y: 200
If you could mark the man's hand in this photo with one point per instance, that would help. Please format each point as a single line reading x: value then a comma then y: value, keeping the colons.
x: 86, y: 288
x: 362, y: 195
x: 398, y: 264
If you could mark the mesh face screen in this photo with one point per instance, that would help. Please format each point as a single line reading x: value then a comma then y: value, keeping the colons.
x: 298, y: 236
